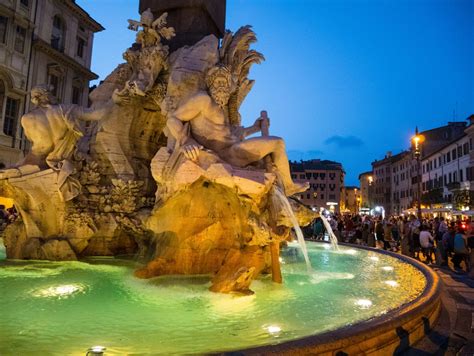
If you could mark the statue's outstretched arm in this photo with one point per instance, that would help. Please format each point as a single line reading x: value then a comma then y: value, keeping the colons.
x: 89, y: 114
x: 247, y: 131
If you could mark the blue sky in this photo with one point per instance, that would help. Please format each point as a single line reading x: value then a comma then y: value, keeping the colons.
x: 345, y: 80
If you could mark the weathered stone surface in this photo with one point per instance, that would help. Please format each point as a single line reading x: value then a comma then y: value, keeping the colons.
x: 188, y: 67
x: 57, y: 250
x: 203, y: 229
x: 240, y: 268
x: 251, y: 183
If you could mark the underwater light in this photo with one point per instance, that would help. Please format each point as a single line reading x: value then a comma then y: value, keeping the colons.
x: 60, y: 291
x: 363, y: 303
x: 96, y: 350
x: 387, y: 268
x: 373, y: 258
x: 391, y: 283
x: 273, y: 329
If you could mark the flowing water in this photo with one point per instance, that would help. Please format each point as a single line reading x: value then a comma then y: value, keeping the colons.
x: 332, y: 236
x: 288, y: 210
x: 64, y: 308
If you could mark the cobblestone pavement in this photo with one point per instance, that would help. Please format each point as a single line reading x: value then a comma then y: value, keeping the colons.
x: 453, y: 333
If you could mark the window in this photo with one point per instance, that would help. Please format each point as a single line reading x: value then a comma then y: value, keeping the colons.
x: 459, y: 151
x: 448, y: 157
x: 322, y: 196
x: 81, y: 44
x: 302, y: 176
x: 308, y: 196
x: 2, y: 96
x: 77, y: 95
x: 3, y: 29
x: 455, y: 177
x: 322, y: 175
x: 54, y: 84
x: 465, y: 148
x: 11, y: 113
x: 25, y: 3
x: 439, y: 161
x: 57, y: 34
x: 332, y: 196
x: 20, y: 39
x: 453, y: 153
x: 461, y: 178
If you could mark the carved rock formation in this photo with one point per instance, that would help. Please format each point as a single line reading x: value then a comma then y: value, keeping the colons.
x: 201, y: 200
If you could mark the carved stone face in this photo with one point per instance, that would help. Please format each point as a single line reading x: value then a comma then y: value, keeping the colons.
x: 40, y: 99
x: 220, y: 91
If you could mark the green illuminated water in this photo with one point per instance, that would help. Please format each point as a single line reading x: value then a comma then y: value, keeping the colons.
x: 64, y: 308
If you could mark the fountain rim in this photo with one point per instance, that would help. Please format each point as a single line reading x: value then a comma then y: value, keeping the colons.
x: 382, y: 333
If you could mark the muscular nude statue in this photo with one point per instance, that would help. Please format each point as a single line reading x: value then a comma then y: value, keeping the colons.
x: 209, y: 128
x: 54, y: 132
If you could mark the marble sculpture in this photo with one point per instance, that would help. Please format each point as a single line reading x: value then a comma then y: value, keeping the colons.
x: 159, y: 167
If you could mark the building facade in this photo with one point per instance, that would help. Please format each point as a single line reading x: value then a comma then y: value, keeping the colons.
x: 382, y: 175
x: 16, y: 34
x: 403, y: 172
x: 366, y: 180
x: 444, y: 180
x: 446, y: 177
x: 41, y: 42
x: 326, y: 181
x: 351, y: 200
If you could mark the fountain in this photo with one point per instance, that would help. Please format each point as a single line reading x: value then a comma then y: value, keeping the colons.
x: 165, y: 174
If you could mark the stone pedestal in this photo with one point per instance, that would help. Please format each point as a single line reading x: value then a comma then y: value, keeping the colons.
x: 192, y: 19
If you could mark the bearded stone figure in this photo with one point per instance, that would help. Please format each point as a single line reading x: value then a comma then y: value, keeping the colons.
x: 209, y: 128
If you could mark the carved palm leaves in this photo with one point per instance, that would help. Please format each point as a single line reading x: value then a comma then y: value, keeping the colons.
x: 236, y: 55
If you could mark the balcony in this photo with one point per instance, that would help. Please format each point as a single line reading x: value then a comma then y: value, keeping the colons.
x: 453, y: 186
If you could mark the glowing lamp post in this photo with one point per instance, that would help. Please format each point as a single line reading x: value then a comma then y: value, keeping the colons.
x: 417, y: 141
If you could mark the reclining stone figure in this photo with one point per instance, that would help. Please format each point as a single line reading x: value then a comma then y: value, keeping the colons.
x: 54, y: 131
x: 210, y: 129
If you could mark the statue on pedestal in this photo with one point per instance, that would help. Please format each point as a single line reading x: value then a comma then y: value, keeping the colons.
x: 54, y: 131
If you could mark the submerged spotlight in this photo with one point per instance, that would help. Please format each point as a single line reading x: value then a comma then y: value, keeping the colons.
x: 364, y: 303
x: 387, y: 268
x: 391, y: 283
x: 96, y: 350
x: 273, y: 329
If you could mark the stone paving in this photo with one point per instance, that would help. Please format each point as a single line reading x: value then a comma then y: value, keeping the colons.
x: 453, y: 333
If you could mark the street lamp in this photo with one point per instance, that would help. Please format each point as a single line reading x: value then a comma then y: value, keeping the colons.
x: 370, y: 180
x: 417, y: 141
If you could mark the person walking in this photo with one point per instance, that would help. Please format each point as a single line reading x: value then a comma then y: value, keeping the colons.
x: 426, y: 243
x: 461, y: 249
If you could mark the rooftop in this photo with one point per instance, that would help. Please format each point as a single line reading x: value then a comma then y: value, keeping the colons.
x: 315, y: 164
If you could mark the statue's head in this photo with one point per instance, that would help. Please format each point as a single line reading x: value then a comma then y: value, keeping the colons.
x: 41, y: 96
x: 219, y: 83
x: 147, y: 18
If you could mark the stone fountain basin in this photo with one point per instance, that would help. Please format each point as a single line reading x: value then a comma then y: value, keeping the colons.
x: 67, y: 307
x: 383, y: 335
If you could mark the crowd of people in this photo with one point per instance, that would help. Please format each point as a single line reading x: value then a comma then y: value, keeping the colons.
x: 434, y: 240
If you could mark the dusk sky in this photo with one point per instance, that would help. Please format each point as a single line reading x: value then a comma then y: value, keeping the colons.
x: 344, y: 80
